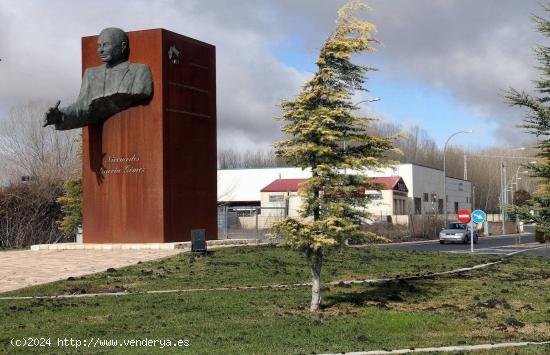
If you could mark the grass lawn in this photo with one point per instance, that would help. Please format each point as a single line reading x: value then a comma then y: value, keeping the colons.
x: 505, y: 303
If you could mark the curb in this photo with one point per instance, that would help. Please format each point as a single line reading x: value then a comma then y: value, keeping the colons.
x: 437, y: 240
x: 184, y: 246
x: 445, y: 348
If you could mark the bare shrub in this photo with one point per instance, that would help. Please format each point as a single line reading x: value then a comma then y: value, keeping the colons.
x: 29, y: 212
x: 393, y: 232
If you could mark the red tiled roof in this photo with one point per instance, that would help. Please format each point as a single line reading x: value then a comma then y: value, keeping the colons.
x: 292, y: 185
x: 389, y: 182
x: 283, y: 185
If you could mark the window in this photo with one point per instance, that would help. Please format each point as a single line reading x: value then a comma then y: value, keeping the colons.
x: 399, y: 207
x: 246, y: 212
x: 440, y: 206
x: 276, y: 198
x: 456, y: 226
x: 374, y: 196
x: 417, y: 205
x: 467, y: 200
x: 456, y: 207
x: 426, y: 198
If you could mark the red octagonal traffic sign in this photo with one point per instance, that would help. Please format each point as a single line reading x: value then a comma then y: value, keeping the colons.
x: 464, y: 216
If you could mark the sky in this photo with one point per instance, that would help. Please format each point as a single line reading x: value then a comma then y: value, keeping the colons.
x: 443, y: 64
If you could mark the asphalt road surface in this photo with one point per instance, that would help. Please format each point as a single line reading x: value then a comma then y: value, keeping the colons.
x: 497, y: 245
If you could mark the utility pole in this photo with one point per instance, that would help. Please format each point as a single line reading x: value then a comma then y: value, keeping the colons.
x: 445, y: 168
x: 502, y: 188
x: 465, y: 167
x: 473, y: 197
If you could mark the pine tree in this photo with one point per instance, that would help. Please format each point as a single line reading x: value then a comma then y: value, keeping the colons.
x: 325, y: 135
x: 71, y: 201
x: 537, y: 122
x: 71, y: 205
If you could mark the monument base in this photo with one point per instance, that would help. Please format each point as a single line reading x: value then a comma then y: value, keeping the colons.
x: 184, y: 246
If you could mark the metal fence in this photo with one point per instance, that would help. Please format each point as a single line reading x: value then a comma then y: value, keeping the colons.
x: 248, y: 222
x: 255, y: 222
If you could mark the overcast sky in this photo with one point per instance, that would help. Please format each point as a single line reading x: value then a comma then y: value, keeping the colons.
x: 443, y: 63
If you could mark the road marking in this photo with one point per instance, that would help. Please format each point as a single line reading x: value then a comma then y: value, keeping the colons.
x: 447, y: 348
x: 484, y: 252
x: 435, y: 241
x: 521, y: 251
x: 495, y: 251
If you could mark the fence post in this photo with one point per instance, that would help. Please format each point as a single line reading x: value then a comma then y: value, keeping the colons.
x: 256, y: 213
x: 287, y: 207
x: 225, y: 236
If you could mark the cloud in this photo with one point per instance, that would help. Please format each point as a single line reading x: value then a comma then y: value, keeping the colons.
x: 42, y: 57
x: 471, y: 49
x: 468, y: 48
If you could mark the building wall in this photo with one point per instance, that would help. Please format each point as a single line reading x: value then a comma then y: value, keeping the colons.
x: 422, y: 180
x: 382, y: 205
x: 294, y: 203
x: 390, y: 202
x: 460, y: 192
x: 244, y: 184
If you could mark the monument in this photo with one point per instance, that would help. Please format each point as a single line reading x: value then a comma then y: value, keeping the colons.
x: 148, y: 114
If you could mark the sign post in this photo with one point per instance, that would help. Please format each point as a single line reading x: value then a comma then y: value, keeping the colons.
x: 478, y: 216
x: 465, y: 216
x: 472, y: 236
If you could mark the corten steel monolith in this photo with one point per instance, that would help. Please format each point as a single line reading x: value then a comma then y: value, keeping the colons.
x: 150, y: 171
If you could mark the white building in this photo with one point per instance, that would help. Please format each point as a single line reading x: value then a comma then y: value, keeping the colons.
x: 242, y: 186
x: 424, y: 189
x: 283, y: 193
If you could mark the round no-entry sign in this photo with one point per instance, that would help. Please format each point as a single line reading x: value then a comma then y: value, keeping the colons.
x: 464, y: 216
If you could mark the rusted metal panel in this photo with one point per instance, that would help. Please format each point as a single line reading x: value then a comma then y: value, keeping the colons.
x: 150, y: 172
x: 190, y: 139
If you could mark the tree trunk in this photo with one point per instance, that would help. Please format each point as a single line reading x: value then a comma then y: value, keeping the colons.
x: 316, y: 263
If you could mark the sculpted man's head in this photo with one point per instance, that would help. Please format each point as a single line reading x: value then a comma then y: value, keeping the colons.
x: 106, y: 89
x: 112, y: 46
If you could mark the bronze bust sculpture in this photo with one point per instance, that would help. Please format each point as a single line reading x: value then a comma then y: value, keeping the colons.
x: 106, y: 89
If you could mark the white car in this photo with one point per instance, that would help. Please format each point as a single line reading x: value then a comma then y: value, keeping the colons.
x: 456, y: 232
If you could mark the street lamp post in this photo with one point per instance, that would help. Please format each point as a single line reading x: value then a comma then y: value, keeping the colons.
x: 445, y: 168
x: 360, y: 102
x: 514, y: 181
x: 503, y: 193
x: 357, y: 105
x: 368, y: 100
x: 504, y: 189
x: 503, y: 199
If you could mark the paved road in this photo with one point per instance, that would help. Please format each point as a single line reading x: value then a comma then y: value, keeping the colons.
x: 499, y: 245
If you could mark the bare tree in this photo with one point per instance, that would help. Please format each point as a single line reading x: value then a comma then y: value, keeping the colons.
x: 29, y: 207
x: 483, y: 164
x: 27, y: 149
x: 232, y: 159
